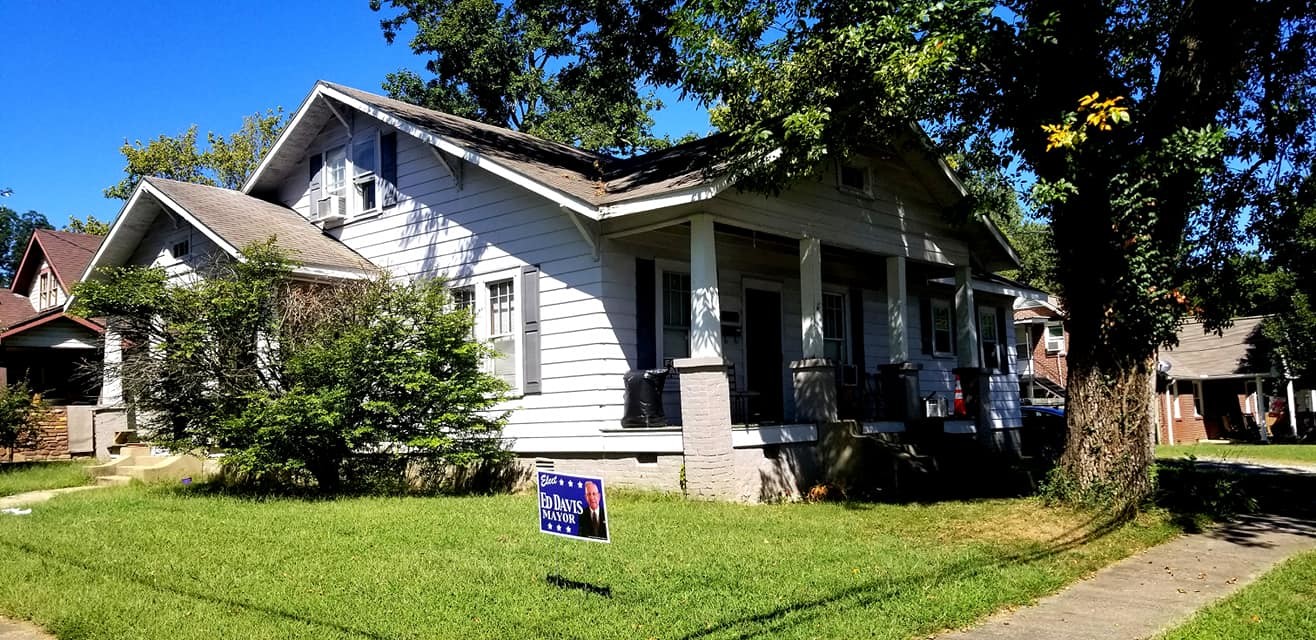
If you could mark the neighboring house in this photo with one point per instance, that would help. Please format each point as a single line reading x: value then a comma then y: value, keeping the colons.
x: 1041, y: 345
x: 850, y: 296
x: 1215, y: 386
x: 40, y: 343
x: 55, y: 353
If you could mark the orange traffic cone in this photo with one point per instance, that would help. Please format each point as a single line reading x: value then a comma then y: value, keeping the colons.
x: 960, y: 409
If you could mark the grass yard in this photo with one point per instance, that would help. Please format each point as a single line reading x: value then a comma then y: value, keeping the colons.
x: 1293, y: 453
x: 1279, y: 606
x: 167, y: 562
x: 34, y: 476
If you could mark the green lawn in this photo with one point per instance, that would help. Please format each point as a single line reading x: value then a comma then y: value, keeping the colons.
x: 1280, y: 606
x: 33, y: 476
x: 1297, y: 453
x: 167, y: 562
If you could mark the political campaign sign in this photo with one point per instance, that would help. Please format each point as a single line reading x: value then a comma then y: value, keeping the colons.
x: 572, y: 507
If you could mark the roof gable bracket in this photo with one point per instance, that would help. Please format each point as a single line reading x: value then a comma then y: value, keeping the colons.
x: 588, y: 230
x: 452, y: 163
x: 337, y: 114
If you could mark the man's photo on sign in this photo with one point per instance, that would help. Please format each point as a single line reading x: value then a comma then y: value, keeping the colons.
x: 593, y: 523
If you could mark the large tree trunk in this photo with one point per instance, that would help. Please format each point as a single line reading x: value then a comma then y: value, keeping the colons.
x: 1111, y: 414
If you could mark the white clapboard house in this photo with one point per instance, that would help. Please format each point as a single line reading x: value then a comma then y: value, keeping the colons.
x: 847, y: 302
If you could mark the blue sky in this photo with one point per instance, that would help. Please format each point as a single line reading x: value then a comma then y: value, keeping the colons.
x: 79, y: 78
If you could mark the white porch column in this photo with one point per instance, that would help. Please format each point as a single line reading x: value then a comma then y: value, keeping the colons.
x: 111, y: 384
x: 1293, y: 407
x: 897, y: 310
x: 705, y: 306
x: 811, y: 314
x: 965, y: 318
x: 705, y: 393
x: 813, y: 376
x: 1261, y: 409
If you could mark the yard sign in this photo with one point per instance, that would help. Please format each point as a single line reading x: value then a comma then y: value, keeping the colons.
x: 573, y: 507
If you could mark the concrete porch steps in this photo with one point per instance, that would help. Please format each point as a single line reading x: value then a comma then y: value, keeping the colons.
x: 136, y: 462
x: 113, y: 480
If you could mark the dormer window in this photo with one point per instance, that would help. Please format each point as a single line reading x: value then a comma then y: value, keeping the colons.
x: 354, y: 180
x: 47, y: 293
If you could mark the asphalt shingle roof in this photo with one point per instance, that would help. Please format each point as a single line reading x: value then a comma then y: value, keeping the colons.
x: 592, y: 177
x: 1202, y: 354
x: 241, y: 219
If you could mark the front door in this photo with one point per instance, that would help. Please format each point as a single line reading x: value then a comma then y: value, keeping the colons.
x: 763, y: 360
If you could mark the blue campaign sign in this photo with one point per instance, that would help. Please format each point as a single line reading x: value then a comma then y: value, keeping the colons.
x: 572, y: 507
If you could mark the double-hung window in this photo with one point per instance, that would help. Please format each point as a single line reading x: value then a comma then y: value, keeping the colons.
x: 833, y: 315
x: 943, y: 337
x: 501, y: 315
x: 676, y: 316
x: 46, y: 296
x: 335, y: 172
x: 990, y: 335
x: 364, y: 164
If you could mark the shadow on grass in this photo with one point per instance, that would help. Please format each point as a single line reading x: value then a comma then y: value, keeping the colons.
x: 1252, y: 498
x: 155, y: 583
x: 778, y: 620
x: 367, y: 476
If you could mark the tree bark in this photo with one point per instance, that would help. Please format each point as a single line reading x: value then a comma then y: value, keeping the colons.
x: 1111, y: 414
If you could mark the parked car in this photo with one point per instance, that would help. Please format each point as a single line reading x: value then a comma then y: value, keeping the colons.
x: 1044, y: 431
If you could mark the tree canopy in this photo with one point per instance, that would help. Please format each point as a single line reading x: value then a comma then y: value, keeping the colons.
x: 90, y: 225
x: 226, y: 161
x: 576, y: 72
x: 15, y: 233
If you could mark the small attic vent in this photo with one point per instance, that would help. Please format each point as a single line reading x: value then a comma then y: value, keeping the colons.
x: 180, y: 249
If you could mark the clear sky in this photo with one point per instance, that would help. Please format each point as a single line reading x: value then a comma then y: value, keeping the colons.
x: 77, y: 79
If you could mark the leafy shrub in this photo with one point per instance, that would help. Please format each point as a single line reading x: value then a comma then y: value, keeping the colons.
x: 289, y: 379
x: 20, y: 415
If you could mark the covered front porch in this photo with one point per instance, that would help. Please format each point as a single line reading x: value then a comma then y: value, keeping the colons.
x: 771, y: 341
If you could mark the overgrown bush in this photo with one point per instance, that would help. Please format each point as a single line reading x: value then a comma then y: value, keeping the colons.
x: 20, y: 417
x: 289, y: 379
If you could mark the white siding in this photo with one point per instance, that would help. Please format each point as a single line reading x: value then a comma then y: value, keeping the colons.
x: 156, y: 248
x: 485, y: 225
x: 60, y: 334
x: 898, y: 220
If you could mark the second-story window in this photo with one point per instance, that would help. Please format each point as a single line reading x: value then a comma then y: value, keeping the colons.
x: 364, y: 163
x: 45, y: 290
x: 335, y: 172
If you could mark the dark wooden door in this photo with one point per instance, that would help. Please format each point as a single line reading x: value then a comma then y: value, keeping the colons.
x: 763, y: 361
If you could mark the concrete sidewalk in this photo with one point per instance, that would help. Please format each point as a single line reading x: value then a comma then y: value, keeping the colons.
x: 32, y: 497
x: 11, y: 630
x: 1162, y: 587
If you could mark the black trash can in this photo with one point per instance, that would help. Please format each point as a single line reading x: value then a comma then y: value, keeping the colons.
x: 644, y: 398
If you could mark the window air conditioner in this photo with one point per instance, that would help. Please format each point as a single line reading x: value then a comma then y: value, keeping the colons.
x: 331, y: 209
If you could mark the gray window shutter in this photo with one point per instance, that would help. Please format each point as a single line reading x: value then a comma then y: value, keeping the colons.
x: 388, y: 167
x: 646, y: 308
x: 1005, y: 338
x: 315, y: 163
x: 530, y: 329
x: 857, y: 328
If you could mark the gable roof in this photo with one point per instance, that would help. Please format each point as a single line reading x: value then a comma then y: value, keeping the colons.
x: 1202, y: 354
x: 67, y: 254
x: 593, y: 185
x: 231, y: 220
x: 588, y: 181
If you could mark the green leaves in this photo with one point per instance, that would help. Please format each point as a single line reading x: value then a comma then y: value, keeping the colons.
x: 226, y: 162
x: 288, y: 379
